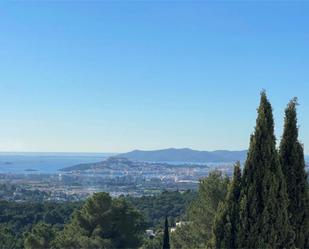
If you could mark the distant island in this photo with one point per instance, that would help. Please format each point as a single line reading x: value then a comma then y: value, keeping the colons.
x: 31, y: 170
x: 185, y: 155
x: 6, y: 163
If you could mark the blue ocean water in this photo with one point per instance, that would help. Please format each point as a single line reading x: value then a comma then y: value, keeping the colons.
x: 45, y: 162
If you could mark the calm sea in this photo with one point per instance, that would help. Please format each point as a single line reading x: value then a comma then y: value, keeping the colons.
x: 45, y: 162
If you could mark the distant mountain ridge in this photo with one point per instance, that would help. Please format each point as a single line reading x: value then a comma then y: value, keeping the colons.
x: 185, y: 155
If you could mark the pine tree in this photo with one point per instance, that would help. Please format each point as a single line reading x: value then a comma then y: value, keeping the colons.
x: 264, y: 201
x: 293, y: 166
x: 102, y: 222
x: 227, y: 220
x: 166, y: 237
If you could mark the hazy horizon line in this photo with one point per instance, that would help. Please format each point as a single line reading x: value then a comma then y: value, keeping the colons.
x: 119, y: 152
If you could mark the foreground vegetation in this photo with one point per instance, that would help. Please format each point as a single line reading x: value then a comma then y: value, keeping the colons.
x: 33, y: 220
x: 265, y: 205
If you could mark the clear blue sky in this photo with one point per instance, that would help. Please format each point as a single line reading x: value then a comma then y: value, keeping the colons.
x: 113, y: 76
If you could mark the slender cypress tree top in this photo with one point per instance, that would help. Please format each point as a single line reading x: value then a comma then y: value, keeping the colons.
x: 166, y: 238
x: 264, y: 217
x: 293, y: 165
x: 290, y: 132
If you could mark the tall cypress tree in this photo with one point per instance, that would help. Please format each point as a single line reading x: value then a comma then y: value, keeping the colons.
x: 293, y: 166
x: 166, y: 237
x: 227, y: 220
x: 264, y: 202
